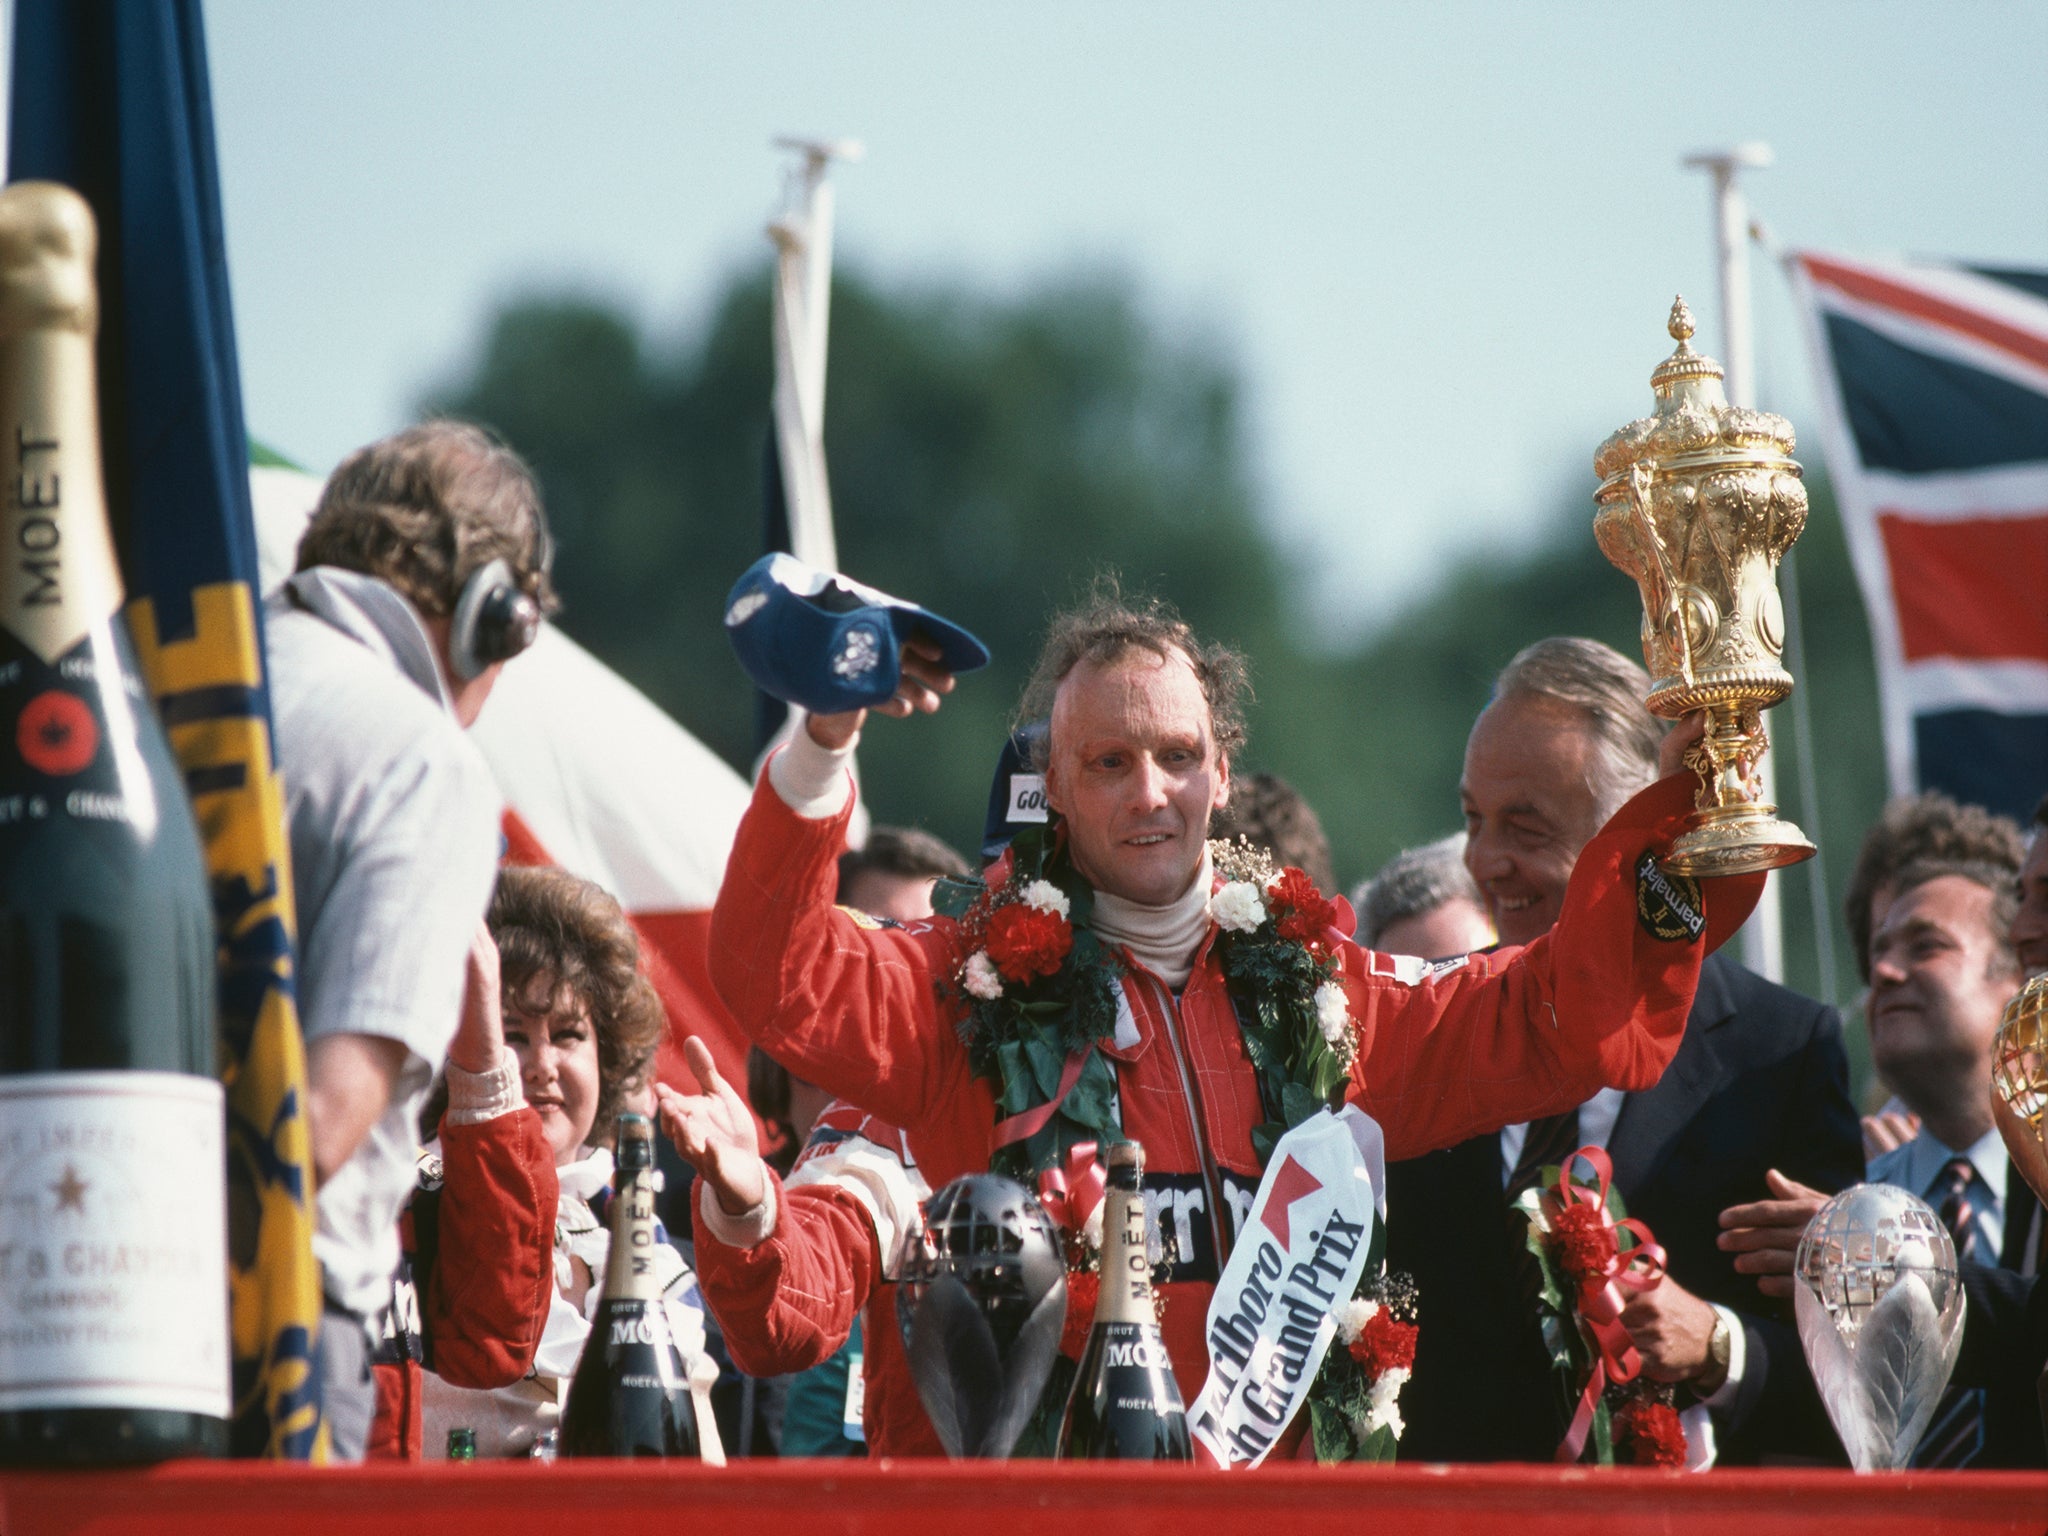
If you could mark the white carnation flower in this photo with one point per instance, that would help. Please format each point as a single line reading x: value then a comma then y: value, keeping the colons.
x: 1333, y: 1012
x: 1046, y: 897
x: 1353, y: 1316
x: 1238, y: 906
x: 981, y: 976
x: 1383, y: 1409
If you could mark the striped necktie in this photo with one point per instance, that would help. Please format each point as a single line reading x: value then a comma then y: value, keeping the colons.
x: 1955, y: 1438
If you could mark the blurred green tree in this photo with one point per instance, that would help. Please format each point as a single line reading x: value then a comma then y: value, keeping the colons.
x: 990, y: 454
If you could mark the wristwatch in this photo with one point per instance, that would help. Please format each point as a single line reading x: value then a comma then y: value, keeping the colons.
x: 1720, y: 1348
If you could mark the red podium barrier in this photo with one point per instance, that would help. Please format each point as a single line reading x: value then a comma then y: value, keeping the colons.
x: 927, y: 1498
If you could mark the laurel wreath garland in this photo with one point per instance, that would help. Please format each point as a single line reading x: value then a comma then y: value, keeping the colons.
x: 1276, y: 936
x: 1037, y: 990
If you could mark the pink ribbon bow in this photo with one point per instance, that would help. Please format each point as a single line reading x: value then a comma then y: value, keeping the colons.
x: 1603, y: 1294
x: 1071, y: 1193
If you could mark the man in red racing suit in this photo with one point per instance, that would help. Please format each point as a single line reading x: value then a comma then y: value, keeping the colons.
x: 819, y: 1251
x: 1142, y: 723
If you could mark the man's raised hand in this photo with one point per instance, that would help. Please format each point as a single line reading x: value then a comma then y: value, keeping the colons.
x: 479, y: 1043
x: 1679, y: 740
x: 714, y: 1131
x: 923, y: 683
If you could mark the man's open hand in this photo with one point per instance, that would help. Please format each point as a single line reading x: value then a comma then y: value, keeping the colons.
x: 923, y: 683
x: 714, y: 1131
x: 1764, y: 1235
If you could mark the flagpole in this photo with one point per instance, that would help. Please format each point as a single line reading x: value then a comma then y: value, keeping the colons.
x: 802, y: 303
x: 803, y: 297
x: 1763, y: 936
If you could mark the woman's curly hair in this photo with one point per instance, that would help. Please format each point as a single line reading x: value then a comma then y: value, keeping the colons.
x: 556, y: 933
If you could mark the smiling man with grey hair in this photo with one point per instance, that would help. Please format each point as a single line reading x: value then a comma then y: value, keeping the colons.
x: 1563, y: 745
x: 1760, y: 1081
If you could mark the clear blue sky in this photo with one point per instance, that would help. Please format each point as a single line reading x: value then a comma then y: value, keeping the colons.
x: 1440, y: 238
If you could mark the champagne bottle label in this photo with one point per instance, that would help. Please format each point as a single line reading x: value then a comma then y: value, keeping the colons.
x: 112, y: 1231
x: 68, y: 730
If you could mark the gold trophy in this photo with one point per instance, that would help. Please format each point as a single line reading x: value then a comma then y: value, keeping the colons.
x: 1699, y: 503
x: 2019, y: 1073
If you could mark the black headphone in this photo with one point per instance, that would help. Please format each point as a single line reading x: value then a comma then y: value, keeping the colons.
x: 494, y: 621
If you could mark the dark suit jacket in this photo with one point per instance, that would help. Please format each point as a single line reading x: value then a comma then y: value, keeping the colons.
x: 2005, y: 1341
x: 1760, y: 1081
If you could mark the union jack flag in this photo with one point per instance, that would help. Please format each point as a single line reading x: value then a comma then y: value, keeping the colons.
x: 1934, y: 393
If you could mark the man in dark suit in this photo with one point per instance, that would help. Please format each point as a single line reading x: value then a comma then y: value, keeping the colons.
x: 1942, y: 968
x: 1760, y: 1082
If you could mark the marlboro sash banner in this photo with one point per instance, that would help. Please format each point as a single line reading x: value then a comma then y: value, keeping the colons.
x: 1298, y: 1260
x: 1934, y: 419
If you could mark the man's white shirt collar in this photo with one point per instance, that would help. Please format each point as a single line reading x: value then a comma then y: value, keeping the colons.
x: 1917, y: 1167
x: 376, y: 616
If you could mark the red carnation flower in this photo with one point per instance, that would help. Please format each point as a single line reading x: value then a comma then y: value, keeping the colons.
x: 1082, y: 1286
x: 1651, y: 1433
x: 1584, y: 1242
x: 1384, y: 1344
x: 1025, y: 942
x: 1301, y: 914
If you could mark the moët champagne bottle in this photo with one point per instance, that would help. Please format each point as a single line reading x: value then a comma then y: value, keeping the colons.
x: 630, y: 1395
x: 113, y: 1204
x: 1125, y: 1404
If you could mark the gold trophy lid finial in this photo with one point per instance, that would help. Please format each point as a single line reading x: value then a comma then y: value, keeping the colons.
x: 1685, y: 364
x: 1693, y: 423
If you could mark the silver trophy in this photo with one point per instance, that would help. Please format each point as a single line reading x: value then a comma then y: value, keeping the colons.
x: 1880, y: 1313
x: 982, y: 1304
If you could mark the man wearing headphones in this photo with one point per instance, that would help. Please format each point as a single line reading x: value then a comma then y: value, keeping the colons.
x: 423, y: 571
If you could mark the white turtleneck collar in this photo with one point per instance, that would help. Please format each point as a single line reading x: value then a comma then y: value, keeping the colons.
x: 1162, y: 939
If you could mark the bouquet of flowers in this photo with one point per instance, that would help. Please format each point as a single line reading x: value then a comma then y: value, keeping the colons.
x: 1592, y: 1256
x: 1354, y: 1406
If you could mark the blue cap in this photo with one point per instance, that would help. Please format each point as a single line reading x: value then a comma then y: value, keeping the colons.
x: 1016, y: 798
x: 828, y: 643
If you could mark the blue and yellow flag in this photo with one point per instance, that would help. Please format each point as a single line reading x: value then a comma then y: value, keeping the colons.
x: 111, y: 97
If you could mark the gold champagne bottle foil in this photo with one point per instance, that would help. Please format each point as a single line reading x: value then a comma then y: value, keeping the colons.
x: 1124, y: 1294
x: 629, y: 1273
x: 58, y: 577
